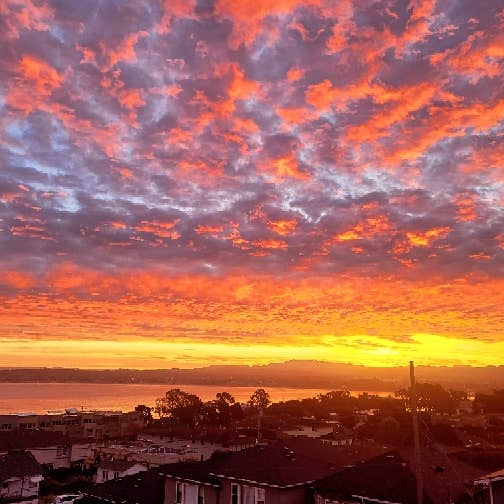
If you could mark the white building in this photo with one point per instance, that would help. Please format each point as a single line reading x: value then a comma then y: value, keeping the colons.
x: 115, y: 469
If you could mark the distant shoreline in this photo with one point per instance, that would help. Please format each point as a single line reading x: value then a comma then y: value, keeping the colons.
x: 291, y: 374
x: 390, y: 389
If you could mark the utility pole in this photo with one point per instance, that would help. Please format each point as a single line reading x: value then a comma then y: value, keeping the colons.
x: 416, y: 435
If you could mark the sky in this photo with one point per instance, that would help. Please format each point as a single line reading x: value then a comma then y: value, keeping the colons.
x: 185, y: 182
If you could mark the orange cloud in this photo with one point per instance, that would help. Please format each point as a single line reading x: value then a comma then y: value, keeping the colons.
x: 247, y: 17
x: 285, y: 166
x: 124, y: 51
x: 18, y: 279
x: 213, y: 230
x: 160, y: 229
x: 293, y: 115
x: 425, y: 238
x: 42, y: 75
x: 283, y: 227
x: 369, y: 227
x: 270, y: 244
x: 295, y: 74
x: 466, y: 208
x: 260, y: 310
x: 18, y: 15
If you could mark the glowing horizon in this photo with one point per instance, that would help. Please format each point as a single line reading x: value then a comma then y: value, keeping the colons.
x: 191, y: 182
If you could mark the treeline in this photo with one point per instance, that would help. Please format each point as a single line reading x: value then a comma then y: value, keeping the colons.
x: 179, y: 409
x: 189, y: 409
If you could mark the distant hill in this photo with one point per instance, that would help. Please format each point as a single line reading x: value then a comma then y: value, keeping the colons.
x: 296, y: 374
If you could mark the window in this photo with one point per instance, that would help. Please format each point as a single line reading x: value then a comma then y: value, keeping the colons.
x: 201, y: 495
x: 104, y: 475
x: 235, y: 493
x: 179, y: 491
x: 116, y: 474
x: 260, y: 496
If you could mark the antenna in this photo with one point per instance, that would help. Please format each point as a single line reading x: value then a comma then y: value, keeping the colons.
x: 416, y: 436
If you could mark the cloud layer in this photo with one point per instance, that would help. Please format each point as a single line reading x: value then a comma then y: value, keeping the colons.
x: 253, y: 173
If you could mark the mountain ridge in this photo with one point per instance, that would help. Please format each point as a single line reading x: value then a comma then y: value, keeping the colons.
x: 292, y: 373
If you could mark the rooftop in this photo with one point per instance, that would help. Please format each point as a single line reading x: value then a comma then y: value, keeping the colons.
x: 386, y: 478
x: 18, y: 464
x: 142, y: 488
x: 287, y: 463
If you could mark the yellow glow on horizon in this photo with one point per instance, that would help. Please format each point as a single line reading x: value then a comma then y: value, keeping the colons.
x: 147, y: 354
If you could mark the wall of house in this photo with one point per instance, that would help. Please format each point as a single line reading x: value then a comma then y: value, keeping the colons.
x: 297, y: 495
x: 498, y: 491
x: 211, y: 494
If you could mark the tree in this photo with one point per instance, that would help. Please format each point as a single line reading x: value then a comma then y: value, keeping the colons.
x: 336, y: 401
x: 223, y: 402
x: 430, y: 398
x: 145, y: 413
x: 259, y: 401
x: 181, y: 406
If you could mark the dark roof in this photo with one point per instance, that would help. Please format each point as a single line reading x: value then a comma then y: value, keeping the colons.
x: 280, y: 465
x: 201, y: 472
x: 335, y: 456
x: 386, y: 477
x: 18, y: 464
x: 143, y: 488
x: 24, y: 439
x: 117, y: 465
x: 283, y: 464
x: 443, y: 472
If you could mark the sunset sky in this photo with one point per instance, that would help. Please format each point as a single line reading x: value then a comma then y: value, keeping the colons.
x: 230, y: 181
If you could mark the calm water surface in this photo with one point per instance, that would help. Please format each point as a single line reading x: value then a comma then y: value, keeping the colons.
x: 43, y: 397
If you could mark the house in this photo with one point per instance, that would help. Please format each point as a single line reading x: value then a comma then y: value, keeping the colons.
x: 115, y: 469
x: 53, y: 450
x: 143, y: 488
x: 490, y: 488
x: 384, y: 479
x: 274, y: 474
x: 338, y: 437
x: 20, y: 475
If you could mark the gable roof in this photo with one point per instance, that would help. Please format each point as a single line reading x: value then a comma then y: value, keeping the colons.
x: 496, y: 475
x: 201, y: 472
x: 385, y: 478
x: 18, y: 464
x: 143, y: 488
x: 282, y: 464
x: 275, y: 465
